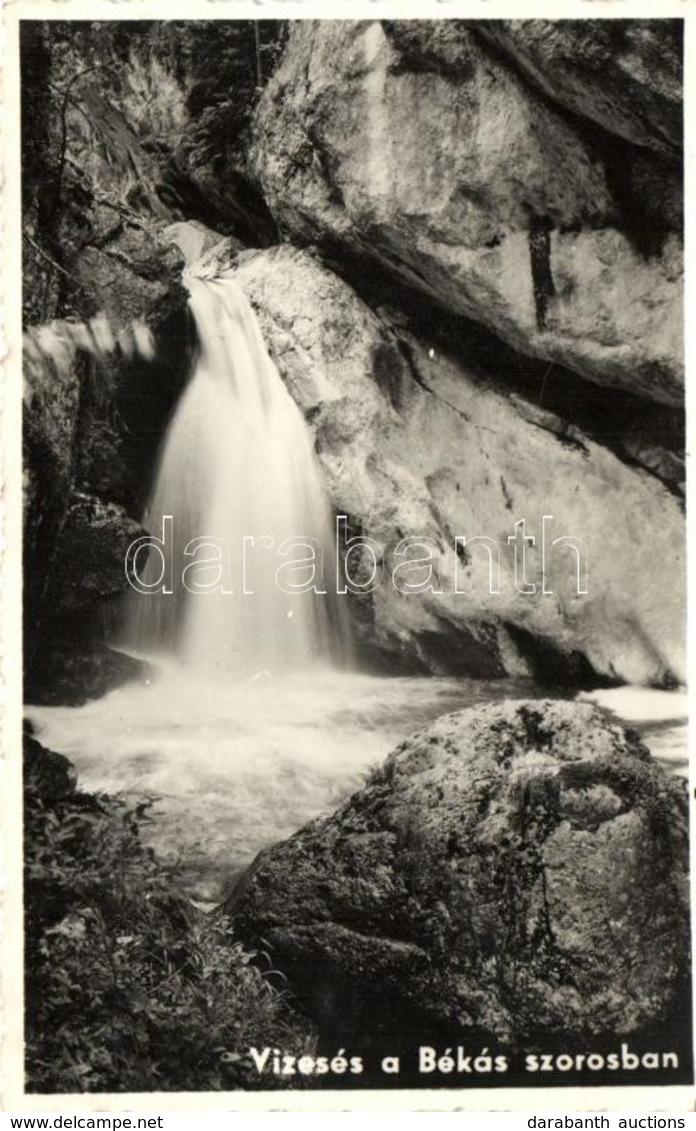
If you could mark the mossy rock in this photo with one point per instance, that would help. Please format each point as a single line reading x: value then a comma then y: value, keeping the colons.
x: 518, y: 869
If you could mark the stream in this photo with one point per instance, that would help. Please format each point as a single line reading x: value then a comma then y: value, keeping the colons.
x: 235, y: 767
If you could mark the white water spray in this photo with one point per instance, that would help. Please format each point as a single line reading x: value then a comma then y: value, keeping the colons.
x: 238, y: 471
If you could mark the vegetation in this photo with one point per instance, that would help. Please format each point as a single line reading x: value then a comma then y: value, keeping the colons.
x: 229, y: 66
x: 129, y: 122
x: 129, y: 986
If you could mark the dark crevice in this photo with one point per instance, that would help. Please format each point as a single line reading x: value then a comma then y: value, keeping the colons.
x: 564, y: 432
x: 643, y: 434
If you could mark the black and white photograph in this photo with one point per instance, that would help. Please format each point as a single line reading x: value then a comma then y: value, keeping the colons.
x: 354, y: 554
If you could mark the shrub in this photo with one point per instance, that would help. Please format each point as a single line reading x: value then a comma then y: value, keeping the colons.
x: 129, y: 986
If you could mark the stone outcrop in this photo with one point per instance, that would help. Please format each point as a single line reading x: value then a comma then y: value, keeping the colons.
x: 417, y: 145
x: 74, y: 663
x: 49, y: 776
x: 91, y: 553
x: 518, y: 869
x: 416, y: 441
x: 624, y: 75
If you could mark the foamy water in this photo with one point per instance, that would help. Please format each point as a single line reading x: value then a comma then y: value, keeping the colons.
x: 661, y: 717
x: 244, y: 574
x: 238, y: 767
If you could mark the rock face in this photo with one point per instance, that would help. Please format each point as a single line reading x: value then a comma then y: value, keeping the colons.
x: 625, y: 75
x: 417, y: 441
x: 83, y: 465
x: 51, y: 403
x: 518, y: 869
x: 91, y: 553
x: 112, y: 153
x: 74, y: 663
x: 412, y: 144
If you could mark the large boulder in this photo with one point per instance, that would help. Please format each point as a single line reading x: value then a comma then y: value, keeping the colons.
x: 46, y: 775
x: 51, y: 398
x: 416, y: 144
x: 519, y: 869
x: 419, y: 439
x: 90, y: 554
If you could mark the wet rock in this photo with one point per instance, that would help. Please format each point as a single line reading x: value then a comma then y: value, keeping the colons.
x: 51, y: 401
x: 135, y: 275
x: 625, y: 75
x: 72, y: 662
x: 518, y: 869
x: 420, y: 440
x: 70, y: 672
x: 415, y: 145
x: 97, y: 396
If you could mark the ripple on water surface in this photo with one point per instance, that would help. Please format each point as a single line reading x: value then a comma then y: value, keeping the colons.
x: 235, y: 768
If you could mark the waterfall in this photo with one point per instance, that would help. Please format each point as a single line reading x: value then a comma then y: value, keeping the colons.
x: 238, y: 473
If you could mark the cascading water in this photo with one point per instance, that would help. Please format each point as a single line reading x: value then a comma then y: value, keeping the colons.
x: 237, y: 763
x: 240, y: 488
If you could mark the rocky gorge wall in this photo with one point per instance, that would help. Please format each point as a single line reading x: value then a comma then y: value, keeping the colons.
x: 416, y: 442
x: 417, y: 144
x: 476, y: 303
